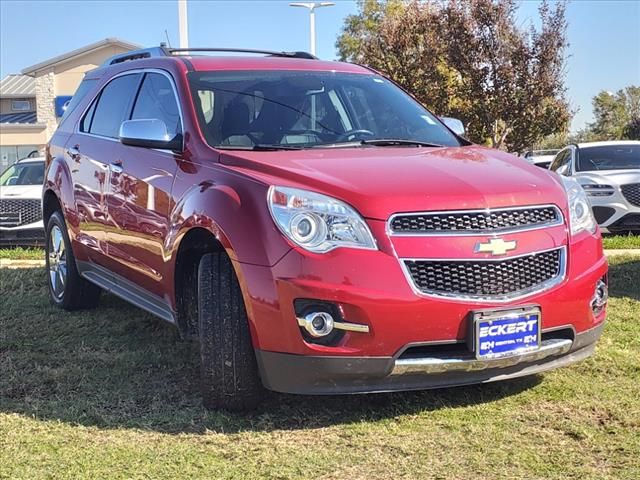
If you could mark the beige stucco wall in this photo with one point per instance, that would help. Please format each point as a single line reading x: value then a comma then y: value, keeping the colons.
x: 5, y: 104
x: 32, y: 135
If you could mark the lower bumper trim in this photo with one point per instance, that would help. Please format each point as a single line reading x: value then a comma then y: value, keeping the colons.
x: 328, y: 375
x: 440, y: 365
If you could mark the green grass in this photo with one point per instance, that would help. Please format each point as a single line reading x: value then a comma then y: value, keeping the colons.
x: 113, y: 393
x: 22, y: 253
x: 621, y: 241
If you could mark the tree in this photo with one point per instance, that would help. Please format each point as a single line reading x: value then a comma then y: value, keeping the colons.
x: 469, y: 60
x: 617, y: 116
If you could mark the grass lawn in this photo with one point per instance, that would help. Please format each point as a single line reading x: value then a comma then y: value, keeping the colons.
x: 22, y: 253
x: 621, y: 241
x: 113, y: 393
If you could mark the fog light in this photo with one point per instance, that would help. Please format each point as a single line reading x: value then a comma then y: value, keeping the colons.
x: 600, y: 297
x: 317, y: 324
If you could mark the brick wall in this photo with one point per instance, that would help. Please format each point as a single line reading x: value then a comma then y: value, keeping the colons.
x: 45, y: 102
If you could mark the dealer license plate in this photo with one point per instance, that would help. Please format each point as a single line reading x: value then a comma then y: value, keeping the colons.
x: 505, y: 333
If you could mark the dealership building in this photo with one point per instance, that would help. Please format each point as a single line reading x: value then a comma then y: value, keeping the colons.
x: 31, y: 103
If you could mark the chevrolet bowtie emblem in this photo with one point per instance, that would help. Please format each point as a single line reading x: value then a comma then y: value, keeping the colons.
x: 496, y: 246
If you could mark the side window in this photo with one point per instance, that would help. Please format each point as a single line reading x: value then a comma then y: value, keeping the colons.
x: 156, y: 100
x: 112, y: 106
x: 561, y: 162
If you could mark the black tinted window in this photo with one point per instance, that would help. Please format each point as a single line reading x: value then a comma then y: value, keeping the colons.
x: 156, y: 100
x: 613, y: 157
x: 113, y: 105
x: 308, y: 109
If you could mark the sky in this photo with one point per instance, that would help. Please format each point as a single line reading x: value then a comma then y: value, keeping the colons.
x: 604, y: 35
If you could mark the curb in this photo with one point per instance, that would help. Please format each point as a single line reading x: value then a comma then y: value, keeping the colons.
x: 6, y: 263
x: 616, y: 252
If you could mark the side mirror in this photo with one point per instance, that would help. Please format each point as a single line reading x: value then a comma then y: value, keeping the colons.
x: 454, y: 124
x: 149, y: 133
x: 12, y: 181
x: 563, y: 170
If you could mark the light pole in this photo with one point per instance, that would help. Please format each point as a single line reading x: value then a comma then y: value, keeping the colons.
x: 183, y: 28
x: 311, y: 6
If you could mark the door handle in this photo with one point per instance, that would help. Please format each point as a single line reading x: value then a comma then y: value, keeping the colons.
x: 73, y: 152
x: 116, y: 167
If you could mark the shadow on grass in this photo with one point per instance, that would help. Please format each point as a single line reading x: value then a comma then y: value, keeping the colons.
x: 624, y: 277
x: 118, y: 367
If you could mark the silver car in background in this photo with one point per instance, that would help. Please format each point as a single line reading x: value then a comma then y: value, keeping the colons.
x: 21, y: 203
x: 610, y: 174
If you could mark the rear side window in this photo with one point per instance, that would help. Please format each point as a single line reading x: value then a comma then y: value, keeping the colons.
x: 85, y: 87
x: 112, y: 107
x: 156, y: 100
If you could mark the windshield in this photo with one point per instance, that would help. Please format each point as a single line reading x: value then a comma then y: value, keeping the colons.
x: 301, y: 109
x: 31, y: 173
x: 612, y: 157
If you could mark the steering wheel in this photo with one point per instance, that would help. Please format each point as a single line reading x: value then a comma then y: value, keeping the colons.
x: 352, y: 134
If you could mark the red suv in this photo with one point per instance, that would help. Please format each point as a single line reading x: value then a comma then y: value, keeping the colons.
x: 315, y: 228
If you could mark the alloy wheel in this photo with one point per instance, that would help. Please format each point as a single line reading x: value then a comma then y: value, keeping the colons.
x: 57, y: 262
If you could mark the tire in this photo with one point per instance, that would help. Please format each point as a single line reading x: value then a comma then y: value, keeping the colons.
x: 67, y: 289
x: 230, y: 378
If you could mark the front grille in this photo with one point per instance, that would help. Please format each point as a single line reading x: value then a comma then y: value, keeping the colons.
x: 487, y: 279
x: 632, y: 193
x: 603, y: 214
x: 17, y: 212
x: 475, y: 221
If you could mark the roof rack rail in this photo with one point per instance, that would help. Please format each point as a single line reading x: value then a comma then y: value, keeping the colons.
x: 136, y: 54
x: 163, y: 51
x: 271, y: 53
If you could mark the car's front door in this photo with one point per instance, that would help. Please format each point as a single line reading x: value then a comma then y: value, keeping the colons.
x: 141, y: 189
x: 91, y: 152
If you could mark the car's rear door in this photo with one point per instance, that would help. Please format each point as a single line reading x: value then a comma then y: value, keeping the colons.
x: 141, y: 189
x: 92, y: 152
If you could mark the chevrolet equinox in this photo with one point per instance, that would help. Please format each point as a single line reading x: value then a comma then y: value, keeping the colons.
x: 314, y: 227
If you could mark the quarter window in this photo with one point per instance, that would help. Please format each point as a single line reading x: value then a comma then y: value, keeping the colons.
x: 112, y: 107
x: 156, y: 100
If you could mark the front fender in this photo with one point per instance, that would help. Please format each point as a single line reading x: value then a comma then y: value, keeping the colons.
x: 235, y: 212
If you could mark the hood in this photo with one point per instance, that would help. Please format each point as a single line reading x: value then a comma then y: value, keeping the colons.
x: 21, y: 191
x: 380, y: 181
x: 610, y: 177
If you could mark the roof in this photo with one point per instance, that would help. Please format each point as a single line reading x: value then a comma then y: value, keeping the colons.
x: 17, y: 86
x: 215, y: 62
x: 608, y: 143
x: 80, y: 51
x: 31, y: 160
x: 18, y: 118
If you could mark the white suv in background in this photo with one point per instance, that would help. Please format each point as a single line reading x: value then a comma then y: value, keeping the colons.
x: 610, y: 174
x: 21, y: 204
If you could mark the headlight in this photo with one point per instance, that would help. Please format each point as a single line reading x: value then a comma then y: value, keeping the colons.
x: 580, y: 215
x: 316, y: 222
x: 598, y: 190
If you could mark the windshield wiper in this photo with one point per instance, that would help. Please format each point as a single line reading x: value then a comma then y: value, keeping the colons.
x: 392, y: 142
x: 262, y: 147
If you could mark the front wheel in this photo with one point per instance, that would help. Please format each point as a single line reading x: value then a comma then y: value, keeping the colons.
x: 230, y: 378
x: 67, y: 289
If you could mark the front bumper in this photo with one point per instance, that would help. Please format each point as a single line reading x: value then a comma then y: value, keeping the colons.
x: 370, y: 288
x: 318, y: 375
x: 26, y: 235
x: 615, y: 213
